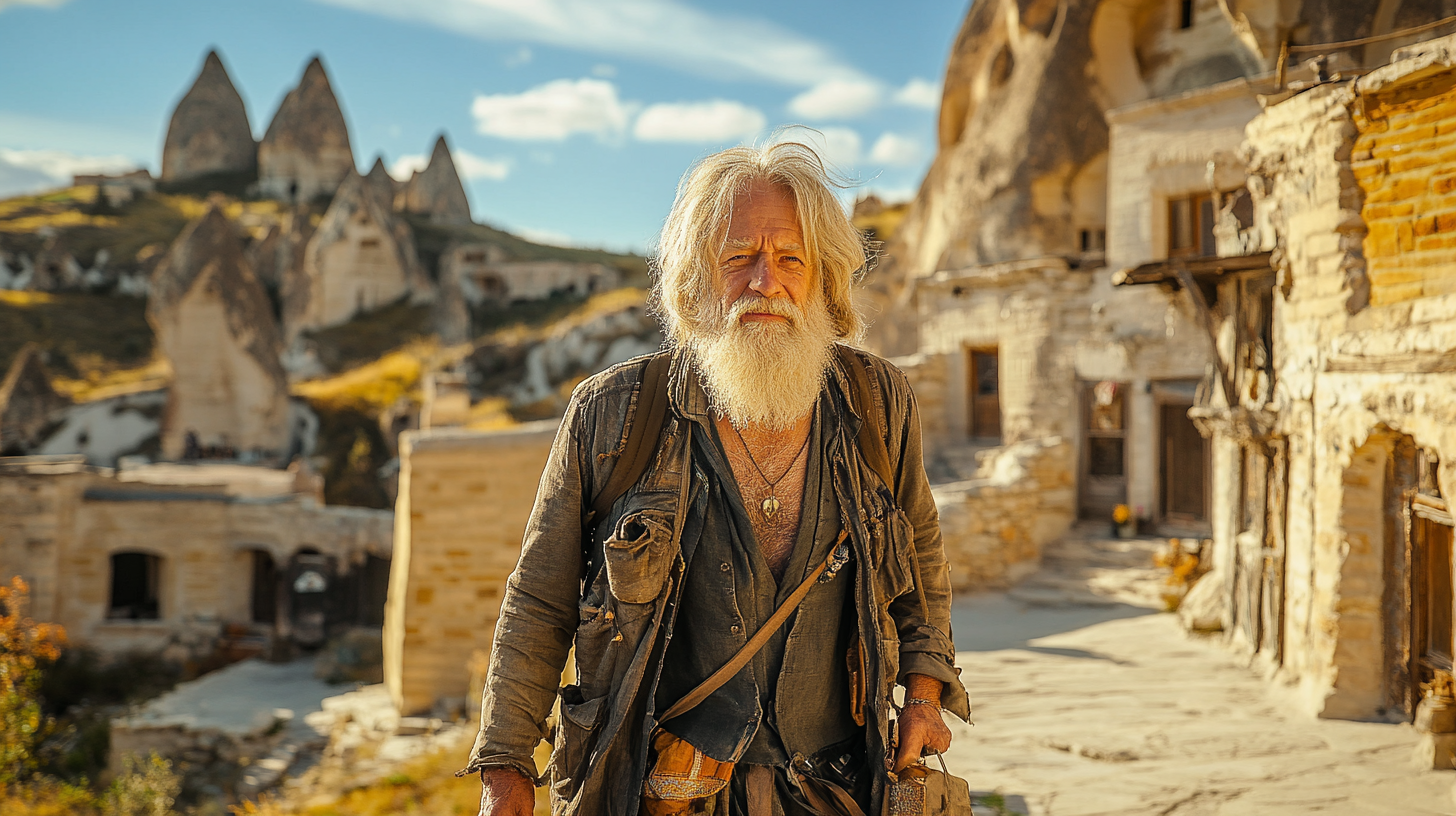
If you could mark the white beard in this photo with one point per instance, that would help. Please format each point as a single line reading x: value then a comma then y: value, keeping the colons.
x: 767, y: 374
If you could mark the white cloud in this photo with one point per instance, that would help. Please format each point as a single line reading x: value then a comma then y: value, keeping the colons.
x: 604, y: 70
x: 474, y: 167
x: 469, y: 165
x: 716, y: 120
x: 837, y: 99
x: 667, y: 32
x: 42, y: 3
x: 918, y: 93
x: 553, y: 111
x: 26, y: 171
x: 895, y: 150
x: 839, y: 147
x: 407, y: 165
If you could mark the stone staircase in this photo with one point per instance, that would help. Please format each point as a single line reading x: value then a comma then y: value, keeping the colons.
x: 1088, y: 568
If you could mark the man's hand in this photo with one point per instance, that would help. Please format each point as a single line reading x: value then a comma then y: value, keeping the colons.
x: 506, y: 792
x: 921, y: 726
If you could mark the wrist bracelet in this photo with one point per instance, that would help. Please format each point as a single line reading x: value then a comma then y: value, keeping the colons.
x: 921, y: 701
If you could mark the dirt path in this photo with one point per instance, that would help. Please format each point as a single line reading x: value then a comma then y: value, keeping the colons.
x: 1090, y: 701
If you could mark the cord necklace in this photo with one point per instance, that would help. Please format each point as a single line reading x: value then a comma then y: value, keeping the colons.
x: 771, y: 504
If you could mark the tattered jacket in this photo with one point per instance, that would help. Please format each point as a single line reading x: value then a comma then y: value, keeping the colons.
x: 611, y: 588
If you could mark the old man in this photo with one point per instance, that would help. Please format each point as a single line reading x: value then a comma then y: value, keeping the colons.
x: 743, y: 611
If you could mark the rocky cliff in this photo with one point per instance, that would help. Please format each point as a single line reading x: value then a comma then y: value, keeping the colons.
x: 306, y: 152
x: 209, y: 133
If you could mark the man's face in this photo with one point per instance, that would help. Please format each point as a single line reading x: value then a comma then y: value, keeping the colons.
x: 763, y: 256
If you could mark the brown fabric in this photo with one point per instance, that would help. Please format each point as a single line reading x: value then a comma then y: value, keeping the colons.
x: 645, y: 427
x: 858, y: 693
x: 760, y: 783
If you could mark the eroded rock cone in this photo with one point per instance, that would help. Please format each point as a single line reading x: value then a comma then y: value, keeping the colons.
x: 214, y: 323
x: 436, y: 191
x: 28, y: 403
x: 306, y: 151
x: 209, y: 133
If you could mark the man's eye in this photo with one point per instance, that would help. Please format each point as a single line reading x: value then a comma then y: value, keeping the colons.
x: 792, y: 259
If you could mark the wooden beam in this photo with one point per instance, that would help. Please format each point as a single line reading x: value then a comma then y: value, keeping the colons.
x: 1205, y: 316
x: 1417, y: 362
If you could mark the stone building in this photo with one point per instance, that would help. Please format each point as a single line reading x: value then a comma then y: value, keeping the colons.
x: 464, y: 498
x: 305, y: 153
x: 209, y: 134
x: 169, y: 558
x: 1076, y: 139
x: 214, y: 323
x: 436, y: 191
x: 485, y: 275
x: 359, y: 258
x: 1332, y: 408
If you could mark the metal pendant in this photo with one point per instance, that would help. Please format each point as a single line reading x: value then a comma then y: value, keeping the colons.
x: 770, y: 507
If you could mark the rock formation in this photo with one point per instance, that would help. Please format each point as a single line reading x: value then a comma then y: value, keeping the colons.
x: 28, y: 403
x: 360, y: 258
x: 381, y: 183
x: 305, y: 152
x: 436, y: 191
x: 214, y: 323
x: 209, y: 132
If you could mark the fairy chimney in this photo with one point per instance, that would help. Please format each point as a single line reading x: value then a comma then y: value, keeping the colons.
x: 381, y: 183
x: 305, y: 152
x: 213, y: 322
x: 360, y: 258
x: 436, y: 191
x: 209, y: 133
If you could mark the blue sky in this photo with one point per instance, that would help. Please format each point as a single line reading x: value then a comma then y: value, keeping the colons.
x: 571, y: 119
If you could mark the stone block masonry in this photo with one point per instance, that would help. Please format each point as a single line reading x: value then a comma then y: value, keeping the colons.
x: 464, y: 499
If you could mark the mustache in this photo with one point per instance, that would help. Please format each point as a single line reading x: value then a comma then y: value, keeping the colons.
x: 759, y: 304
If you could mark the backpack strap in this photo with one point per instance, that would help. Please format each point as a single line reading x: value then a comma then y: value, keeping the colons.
x: 644, y: 429
x: 871, y: 439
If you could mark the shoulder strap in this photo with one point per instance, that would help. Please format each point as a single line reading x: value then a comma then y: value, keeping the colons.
x: 645, y: 427
x: 871, y: 440
x: 754, y: 644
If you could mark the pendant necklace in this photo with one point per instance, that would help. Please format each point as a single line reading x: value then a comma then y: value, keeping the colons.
x: 770, y: 504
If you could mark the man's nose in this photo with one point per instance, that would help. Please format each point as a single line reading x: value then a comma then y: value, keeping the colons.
x: 765, y: 278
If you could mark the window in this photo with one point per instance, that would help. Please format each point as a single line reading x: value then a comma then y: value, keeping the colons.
x: 985, y: 394
x: 369, y: 243
x: 1185, y: 14
x: 1093, y: 240
x: 1190, y: 226
x: 135, y: 587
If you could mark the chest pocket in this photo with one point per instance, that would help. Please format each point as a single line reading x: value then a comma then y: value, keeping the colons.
x: 891, y: 538
x: 639, y: 552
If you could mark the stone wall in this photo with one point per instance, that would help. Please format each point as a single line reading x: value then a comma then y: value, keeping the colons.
x: 1349, y: 188
x: 61, y: 522
x: 994, y: 526
x: 464, y: 498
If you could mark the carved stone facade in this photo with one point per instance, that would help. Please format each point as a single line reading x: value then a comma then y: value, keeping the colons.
x: 1331, y: 412
x: 166, y: 558
x: 214, y: 323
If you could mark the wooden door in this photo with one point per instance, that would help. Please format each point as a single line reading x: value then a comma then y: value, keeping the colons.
x: 985, y: 395
x: 1433, y: 588
x: 1184, y: 465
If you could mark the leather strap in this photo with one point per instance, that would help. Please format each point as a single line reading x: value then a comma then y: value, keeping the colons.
x: 645, y: 427
x: 871, y: 439
x: 755, y: 644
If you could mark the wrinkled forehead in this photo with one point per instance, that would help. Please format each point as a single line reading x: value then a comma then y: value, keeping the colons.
x: 764, y: 208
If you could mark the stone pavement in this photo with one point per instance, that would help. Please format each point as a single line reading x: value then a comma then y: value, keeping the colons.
x: 1089, y: 700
